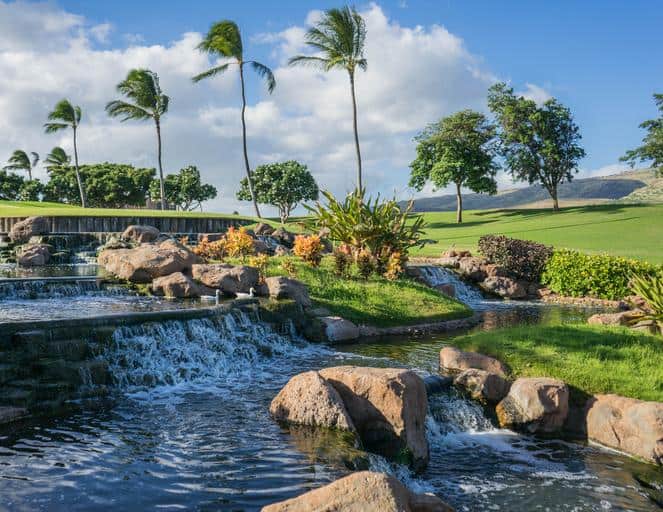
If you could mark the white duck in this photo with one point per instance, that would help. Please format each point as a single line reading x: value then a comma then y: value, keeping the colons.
x: 249, y: 295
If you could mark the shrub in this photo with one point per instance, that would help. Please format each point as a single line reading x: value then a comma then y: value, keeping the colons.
x: 342, y: 260
x: 238, y: 243
x: 289, y: 267
x: 365, y: 263
x: 210, y: 250
x: 260, y: 262
x: 394, y: 266
x: 650, y: 288
x: 582, y: 275
x: 308, y: 248
x: 520, y: 258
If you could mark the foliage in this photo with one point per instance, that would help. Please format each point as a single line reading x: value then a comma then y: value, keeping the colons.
x: 652, y: 144
x: 283, y: 184
x: 650, y: 288
x: 10, y: 185
x: 521, y: 258
x: 238, y: 243
x: 108, y: 185
x: 576, y: 274
x: 20, y: 161
x: 458, y: 149
x: 58, y: 157
x: 394, y: 266
x: 289, y: 267
x: 31, y: 190
x: 260, y: 262
x: 210, y: 250
x: 372, y: 225
x: 539, y: 143
x: 342, y: 260
x: 184, y: 189
x: 366, y: 263
x: 308, y: 248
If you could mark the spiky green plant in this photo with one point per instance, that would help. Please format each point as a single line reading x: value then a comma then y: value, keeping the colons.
x: 58, y: 157
x: 224, y: 41
x: 650, y: 288
x: 63, y: 116
x: 147, y: 101
x: 20, y: 161
x: 339, y: 39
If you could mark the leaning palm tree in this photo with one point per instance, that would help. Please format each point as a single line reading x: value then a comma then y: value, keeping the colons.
x: 58, y: 157
x: 20, y: 161
x: 65, y: 115
x: 339, y: 38
x: 142, y: 87
x: 225, y: 41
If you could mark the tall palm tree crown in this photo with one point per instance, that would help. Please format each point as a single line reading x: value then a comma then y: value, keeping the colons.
x: 339, y: 38
x: 58, y: 157
x: 141, y: 86
x: 20, y: 161
x: 65, y: 115
x: 224, y: 40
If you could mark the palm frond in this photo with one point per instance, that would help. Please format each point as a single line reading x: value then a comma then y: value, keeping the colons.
x: 223, y: 39
x: 127, y: 111
x: 265, y: 73
x: 211, y: 72
x: 35, y: 159
x: 55, y: 127
x: 57, y: 158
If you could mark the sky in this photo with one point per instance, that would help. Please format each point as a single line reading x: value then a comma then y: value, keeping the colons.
x: 426, y: 59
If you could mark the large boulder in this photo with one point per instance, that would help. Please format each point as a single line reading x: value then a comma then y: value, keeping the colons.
x: 284, y: 237
x: 482, y: 385
x: 280, y: 287
x: 263, y: 229
x: 230, y: 279
x: 620, y: 318
x: 140, y: 234
x: 626, y: 424
x: 308, y: 399
x: 176, y: 285
x: 339, y: 329
x: 33, y: 255
x: 472, y: 268
x: 388, y: 407
x: 535, y: 405
x: 504, y: 287
x: 146, y: 262
x: 26, y: 228
x: 363, y: 491
x: 454, y: 360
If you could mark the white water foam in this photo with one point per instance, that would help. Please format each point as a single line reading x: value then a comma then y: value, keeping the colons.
x: 435, y: 276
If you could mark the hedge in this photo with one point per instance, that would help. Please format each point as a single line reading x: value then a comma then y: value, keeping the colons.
x: 521, y: 259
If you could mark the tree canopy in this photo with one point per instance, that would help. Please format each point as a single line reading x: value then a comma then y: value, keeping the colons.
x: 21, y: 161
x: 184, y: 189
x: 283, y: 184
x: 652, y: 144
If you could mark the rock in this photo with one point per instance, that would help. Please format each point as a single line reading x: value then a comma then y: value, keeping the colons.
x: 308, y: 399
x: 24, y: 229
x: 649, y: 326
x: 230, y: 279
x: 504, y: 287
x: 621, y: 318
x: 282, y: 250
x: 263, y: 229
x: 482, y: 385
x: 33, y: 255
x: 472, y: 268
x: 260, y: 247
x: 453, y: 360
x: 447, y: 288
x: 437, y: 384
x: 493, y: 270
x: 9, y: 414
x: 176, y: 285
x: 339, y: 329
x: 535, y: 405
x: 210, y: 237
x: 280, y: 287
x: 450, y: 253
x: 284, y: 237
x: 449, y: 262
x: 626, y: 424
x: 146, y: 262
x: 363, y: 491
x: 388, y: 407
x: 140, y: 234
x: 115, y: 243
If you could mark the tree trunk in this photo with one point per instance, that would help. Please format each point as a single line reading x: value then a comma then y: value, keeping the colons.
x: 459, y: 205
x: 162, y: 188
x: 553, y: 194
x: 354, y: 124
x: 78, y: 174
x: 29, y: 173
x: 249, y: 178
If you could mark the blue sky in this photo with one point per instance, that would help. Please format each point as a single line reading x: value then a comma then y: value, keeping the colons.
x: 601, y: 58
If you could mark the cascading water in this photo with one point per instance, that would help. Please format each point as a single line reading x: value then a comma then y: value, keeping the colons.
x: 22, y: 289
x: 436, y: 276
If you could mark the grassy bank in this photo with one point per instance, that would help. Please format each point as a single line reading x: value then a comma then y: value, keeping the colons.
x: 377, y: 302
x: 589, y: 358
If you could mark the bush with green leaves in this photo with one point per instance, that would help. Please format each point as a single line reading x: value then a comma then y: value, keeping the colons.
x: 575, y: 274
x: 522, y: 259
x: 650, y: 288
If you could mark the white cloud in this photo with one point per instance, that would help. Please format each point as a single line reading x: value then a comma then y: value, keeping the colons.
x: 536, y: 93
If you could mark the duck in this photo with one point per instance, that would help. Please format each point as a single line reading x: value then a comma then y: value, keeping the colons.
x: 249, y: 295
x: 216, y: 297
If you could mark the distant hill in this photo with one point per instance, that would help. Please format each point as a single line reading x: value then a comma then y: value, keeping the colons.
x: 639, y: 185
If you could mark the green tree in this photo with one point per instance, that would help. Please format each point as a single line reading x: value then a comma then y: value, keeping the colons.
x: 31, y: 190
x: 10, y: 185
x: 65, y: 115
x: 283, y: 185
x: 652, y: 144
x: 224, y: 41
x: 185, y: 189
x: 20, y: 161
x: 459, y: 149
x: 539, y: 143
x: 58, y: 157
x: 142, y: 87
x: 339, y: 38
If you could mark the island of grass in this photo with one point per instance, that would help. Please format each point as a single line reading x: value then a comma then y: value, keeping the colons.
x: 590, y: 359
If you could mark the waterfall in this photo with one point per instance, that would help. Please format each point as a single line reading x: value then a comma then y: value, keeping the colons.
x: 435, y: 276
x: 23, y: 289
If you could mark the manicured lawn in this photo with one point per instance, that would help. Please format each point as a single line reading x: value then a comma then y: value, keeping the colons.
x: 632, y: 231
x: 377, y: 302
x: 588, y: 358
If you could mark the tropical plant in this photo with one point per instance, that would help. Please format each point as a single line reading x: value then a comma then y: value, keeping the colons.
x: 207, y: 250
x: 458, y: 149
x: 147, y: 101
x: 308, y: 248
x: 283, y: 184
x: 63, y: 116
x: 650, y: 288
x: 185, y: 189
x: 58, y: 157
x: 224, y: 41
x: 260, y: 262
x: 238, y: 243
x: 20, y: 161
x: 652, y: 144
x: 339, y: 39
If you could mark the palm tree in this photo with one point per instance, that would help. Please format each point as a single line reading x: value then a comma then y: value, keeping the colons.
x: 20, y: 161
x: 65, y: 115
x: 142, y: 87
x: 339, y: 37
x: 225, y: 41
x: 57, y: 158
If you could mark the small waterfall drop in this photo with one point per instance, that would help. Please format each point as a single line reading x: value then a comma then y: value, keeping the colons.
x: 25, y: 289
x: 436, y: 276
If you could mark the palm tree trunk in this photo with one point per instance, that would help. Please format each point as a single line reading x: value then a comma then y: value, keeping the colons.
x: 78, y: 174
x: 354, y: 123
x: 246, y: 154
x: 30, y: 173
x: 162, y: 188
x: 459, y: 205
